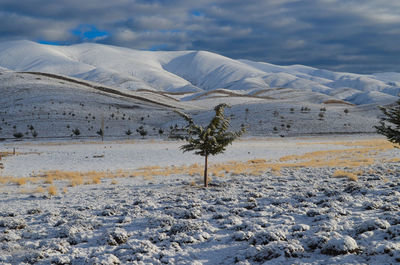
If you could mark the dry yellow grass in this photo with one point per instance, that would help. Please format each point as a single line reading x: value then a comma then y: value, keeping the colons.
x: 394, y: 160
x: 193, y: 183
x: 357, y: 155
x: 361, y: 155
x: 114, y: 182
x: 344, y: 174
x: 48, y: 180
x: 3, y: 154
x: 52, y: 190
x: 39, y: 190
x: 20, y: 181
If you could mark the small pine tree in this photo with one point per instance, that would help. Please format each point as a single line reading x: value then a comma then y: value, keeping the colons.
x: 100, y: 132
x: 76, y: 131
x: 209, y: 140
x: 128, y: 132
x: 392, y: 117
x: 141, y: 131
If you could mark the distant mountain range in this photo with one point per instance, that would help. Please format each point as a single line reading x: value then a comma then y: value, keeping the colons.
x: 49, y: 91
x: 192, y: 72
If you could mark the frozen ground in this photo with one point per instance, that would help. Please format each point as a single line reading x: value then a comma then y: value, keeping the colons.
x: 295, y: 216
x: 133, y: 154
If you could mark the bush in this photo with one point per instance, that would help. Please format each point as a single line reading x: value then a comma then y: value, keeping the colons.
x: 18, y: 135
x: 76, y: 131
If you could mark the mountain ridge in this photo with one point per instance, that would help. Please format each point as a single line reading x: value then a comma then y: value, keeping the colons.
x: 191, y: 71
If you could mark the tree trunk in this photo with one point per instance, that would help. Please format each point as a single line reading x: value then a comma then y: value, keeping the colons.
x: 205, y: 171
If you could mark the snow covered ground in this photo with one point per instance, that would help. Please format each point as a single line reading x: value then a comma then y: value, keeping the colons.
x: 329, y: 197
x: 295, y: 215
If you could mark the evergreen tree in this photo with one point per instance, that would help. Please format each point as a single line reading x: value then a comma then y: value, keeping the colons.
x: 100, y: 132
x: 392, y: 117
x: 76, y: 131
x: 209, y: 140
x: 128, y: 132
x: 141, y: 131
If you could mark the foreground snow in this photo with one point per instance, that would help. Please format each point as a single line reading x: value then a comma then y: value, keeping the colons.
x: 297, y: 216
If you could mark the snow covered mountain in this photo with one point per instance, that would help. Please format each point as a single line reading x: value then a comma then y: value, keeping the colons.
x: 191, y: 71
x: 56, y: 89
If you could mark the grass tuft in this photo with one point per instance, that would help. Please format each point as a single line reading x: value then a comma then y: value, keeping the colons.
x: 52, y: 190
x: 344, y: 174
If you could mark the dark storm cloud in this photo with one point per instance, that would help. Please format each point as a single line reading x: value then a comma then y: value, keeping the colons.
x: 344, y: 35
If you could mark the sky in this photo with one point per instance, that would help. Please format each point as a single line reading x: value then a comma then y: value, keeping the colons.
x: 360, y: 36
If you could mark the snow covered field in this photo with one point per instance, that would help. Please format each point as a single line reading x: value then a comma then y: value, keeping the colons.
x: 310, y: 200
x: 329, y: 197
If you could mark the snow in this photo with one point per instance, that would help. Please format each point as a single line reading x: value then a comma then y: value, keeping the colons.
x: 183, y: 71
x: 300, y: 216
x: 55, y: 105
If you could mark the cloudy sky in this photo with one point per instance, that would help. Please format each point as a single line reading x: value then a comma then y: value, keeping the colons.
x: 361, y: 36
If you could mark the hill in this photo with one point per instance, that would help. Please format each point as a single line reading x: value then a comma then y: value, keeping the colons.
x: 42, y: 82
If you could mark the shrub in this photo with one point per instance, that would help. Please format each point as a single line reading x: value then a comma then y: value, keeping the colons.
x: 76, y: 131
x: 18, y: 135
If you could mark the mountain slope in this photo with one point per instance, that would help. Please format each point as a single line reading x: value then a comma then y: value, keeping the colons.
x: 191, y: 71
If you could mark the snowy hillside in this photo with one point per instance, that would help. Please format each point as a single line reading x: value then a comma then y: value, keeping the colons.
x: 189, y: 71
x: 56, y: 89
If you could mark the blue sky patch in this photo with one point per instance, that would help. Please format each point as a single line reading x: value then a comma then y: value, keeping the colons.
x: 89, y: 32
